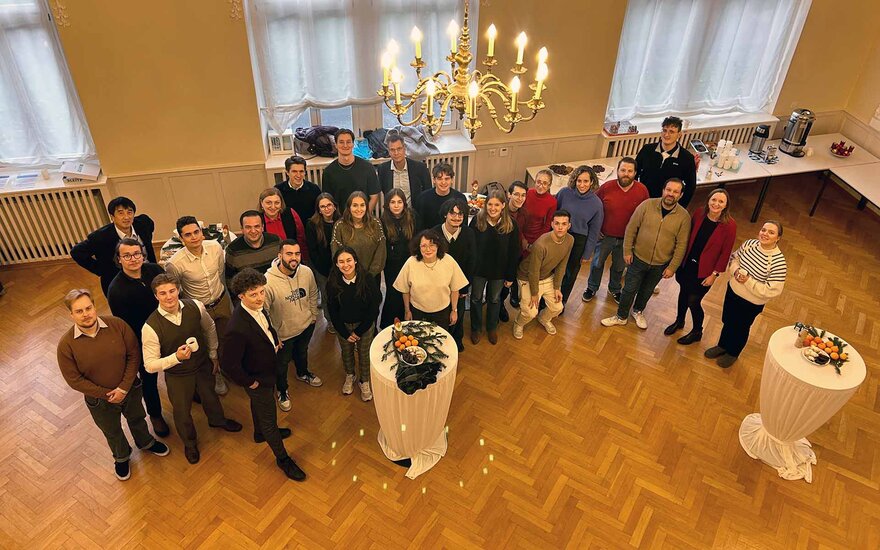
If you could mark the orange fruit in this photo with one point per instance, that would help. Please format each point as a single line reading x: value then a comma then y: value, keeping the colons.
x: 402, y: 339
x: 821, y: 345
x: 835, y: 348
x: 807, y: 342
x: 844, y: 357
x: 834, y: 355
x: 415, y: 342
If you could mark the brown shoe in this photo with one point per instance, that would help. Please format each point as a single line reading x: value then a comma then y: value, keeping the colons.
x: 475, y: 337
x: 493, y: 337
x: 192, y: 454
x: 160, y: 427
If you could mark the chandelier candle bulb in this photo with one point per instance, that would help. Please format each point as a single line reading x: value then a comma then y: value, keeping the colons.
x: 542, y: 55
x: 521, y: 41
x: 541, y: 76
x: 430, y: 90
x: 416, y: 36
x: 396, y: 78
x: 473, y: 92
x: 514, y: 91
x: 452, y: 31
x: 491, y: 34
x: 386, y: 68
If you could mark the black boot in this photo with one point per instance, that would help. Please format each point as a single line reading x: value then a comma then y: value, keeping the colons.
x: 691, y: 337
x: 673, y: 328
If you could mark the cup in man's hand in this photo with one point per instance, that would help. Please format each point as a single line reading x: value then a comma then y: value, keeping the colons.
x: 193, y: 344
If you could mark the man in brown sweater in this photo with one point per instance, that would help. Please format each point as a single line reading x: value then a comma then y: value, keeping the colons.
x: 540, y: 275
x: 99, y: 357
x: 654, y: 246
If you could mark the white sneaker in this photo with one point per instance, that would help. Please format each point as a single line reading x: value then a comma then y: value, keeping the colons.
x: 613, y: 321
x: 220, y: 387
x: 366, y: 391
x: 284, y: 401
x: 348, y: 385
x: 548, y: 326
x: 517, y: 331
x: 641, y: 322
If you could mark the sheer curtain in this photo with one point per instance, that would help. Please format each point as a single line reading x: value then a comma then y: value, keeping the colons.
x: 703, y: 56
x: 326, y: 53
x: 41, y: 120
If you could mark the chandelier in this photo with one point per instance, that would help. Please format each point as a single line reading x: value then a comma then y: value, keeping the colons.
x: 461, y: 89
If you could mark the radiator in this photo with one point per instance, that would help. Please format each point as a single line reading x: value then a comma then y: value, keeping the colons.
x: 460, y: 163
x: 44, y: 225
x: 629, y: 146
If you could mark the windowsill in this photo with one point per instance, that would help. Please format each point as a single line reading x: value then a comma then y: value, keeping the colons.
x: 54, y: 182
x: 699, y: 122
x: 447, y: 143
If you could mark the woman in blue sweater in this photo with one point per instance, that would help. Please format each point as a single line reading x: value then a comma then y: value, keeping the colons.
x: 587, y: 213
x: 497, y: 255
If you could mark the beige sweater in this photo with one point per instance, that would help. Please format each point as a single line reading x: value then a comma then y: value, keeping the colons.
x: 658, y: 240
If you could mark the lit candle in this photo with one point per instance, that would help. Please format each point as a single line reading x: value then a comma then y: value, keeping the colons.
x: 416, y: 36
x: 473, y: 92
x: 393, y: 49
x: 521, y: 47
x: 396, y: 78
x: 491, y: 34
x: 452, y: 31
x: 514, y: 90
x: 542, y: 55
x: 431, y: 89
x: 386, y: 68
x: 540, y: 77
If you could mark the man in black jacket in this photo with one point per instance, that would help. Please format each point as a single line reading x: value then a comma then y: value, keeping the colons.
x: 298, y: 192
x: 250, y: 345
x: 658, y: 162
x: 96, y: 253
x: 463, y: 248
x: 408, y: 175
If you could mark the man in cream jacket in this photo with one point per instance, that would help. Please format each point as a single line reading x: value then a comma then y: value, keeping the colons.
x: 292, y: 303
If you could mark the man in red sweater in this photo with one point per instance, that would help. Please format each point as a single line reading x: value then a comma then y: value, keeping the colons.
x: 620, y: 198
x: 537, y: 210
x: 99, y: 357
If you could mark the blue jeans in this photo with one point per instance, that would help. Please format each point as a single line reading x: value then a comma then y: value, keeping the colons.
x: 614, y: 247
x: 493, y: 303
x: 641, y: 278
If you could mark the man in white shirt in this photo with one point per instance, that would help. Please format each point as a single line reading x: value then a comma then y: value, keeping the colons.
x: 180, y: 339
x: 409, y: 175
x: 200, y: 268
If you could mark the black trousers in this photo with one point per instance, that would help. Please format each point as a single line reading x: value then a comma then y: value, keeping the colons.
x: 393, y: 305
x: 439, y: 318
x: 690, y: 295
x: 573, y: 267
x: 265, y: 418
x: 150, y: 384
x: 738, y: 315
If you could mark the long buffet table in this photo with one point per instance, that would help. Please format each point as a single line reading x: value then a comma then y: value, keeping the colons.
x: 821, y: 160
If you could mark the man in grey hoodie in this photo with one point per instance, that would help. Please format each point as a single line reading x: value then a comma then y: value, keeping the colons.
x: 292, y: 301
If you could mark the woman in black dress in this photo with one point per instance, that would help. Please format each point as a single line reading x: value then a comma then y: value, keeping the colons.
x: 400, y: 224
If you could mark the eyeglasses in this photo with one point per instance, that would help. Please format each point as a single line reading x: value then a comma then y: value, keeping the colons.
x: 130, y: 257
x: 455, y: 215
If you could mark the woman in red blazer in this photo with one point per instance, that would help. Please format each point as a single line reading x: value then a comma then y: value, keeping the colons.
x: 713, y: 232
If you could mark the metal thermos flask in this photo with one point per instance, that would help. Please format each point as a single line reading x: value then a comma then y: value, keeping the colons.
x: 796, y: 132
x: 760, y: 136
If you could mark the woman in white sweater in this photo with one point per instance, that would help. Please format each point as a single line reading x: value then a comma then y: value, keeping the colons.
x: 757, y: 274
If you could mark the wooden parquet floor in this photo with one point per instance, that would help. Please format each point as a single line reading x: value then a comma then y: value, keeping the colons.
x: 594, y: 438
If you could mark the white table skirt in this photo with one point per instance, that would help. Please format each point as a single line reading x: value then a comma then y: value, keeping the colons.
x: 796, y: 399
x: 412, y: 426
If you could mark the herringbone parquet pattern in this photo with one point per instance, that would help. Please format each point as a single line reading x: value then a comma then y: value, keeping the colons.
x: 605, y: 438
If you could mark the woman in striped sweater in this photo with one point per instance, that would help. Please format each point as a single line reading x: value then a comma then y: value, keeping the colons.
x: 757, y: 274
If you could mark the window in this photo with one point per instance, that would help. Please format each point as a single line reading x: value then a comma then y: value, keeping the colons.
x: 703, y: 56
x: 318, y: 60
x: 42, y: 120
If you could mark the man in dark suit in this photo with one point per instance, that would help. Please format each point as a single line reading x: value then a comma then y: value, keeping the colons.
x: 408, y: 175
x: 250, y: 345
x: 97, y: 252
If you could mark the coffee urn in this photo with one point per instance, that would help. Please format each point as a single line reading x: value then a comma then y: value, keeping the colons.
x: 762, y: 132
x: 796, y: 132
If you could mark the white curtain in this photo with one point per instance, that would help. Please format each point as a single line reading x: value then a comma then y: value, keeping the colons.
x: 703, y: 56
x: 326, y: 53
x: 41, y: 121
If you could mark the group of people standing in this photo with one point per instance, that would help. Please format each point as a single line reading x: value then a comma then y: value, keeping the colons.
x: 244, y: 313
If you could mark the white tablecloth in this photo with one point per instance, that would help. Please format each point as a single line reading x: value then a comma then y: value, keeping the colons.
x: 797, y: 398
x: 412, y: 426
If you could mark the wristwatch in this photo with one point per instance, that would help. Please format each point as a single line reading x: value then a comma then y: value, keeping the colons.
x: 715, y: 273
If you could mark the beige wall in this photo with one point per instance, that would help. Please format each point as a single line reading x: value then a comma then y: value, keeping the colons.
x: 165, y: 84
x: 830, y: 55
x: 865, y: 97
